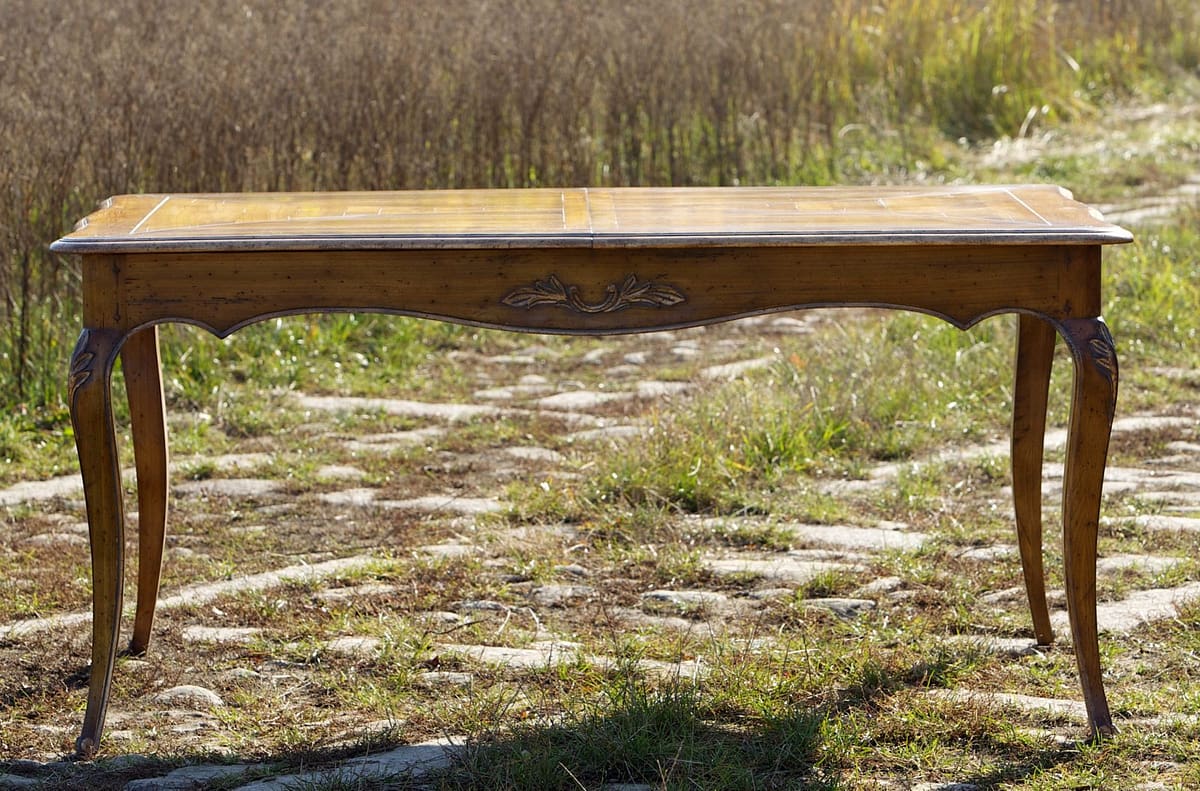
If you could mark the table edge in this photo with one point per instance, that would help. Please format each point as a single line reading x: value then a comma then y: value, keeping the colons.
x: 340, y: 243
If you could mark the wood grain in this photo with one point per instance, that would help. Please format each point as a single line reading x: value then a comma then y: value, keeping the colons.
x: 1035, y: 358
x: 961, y: 284
x: 591, y: 261
x: 590, y: 217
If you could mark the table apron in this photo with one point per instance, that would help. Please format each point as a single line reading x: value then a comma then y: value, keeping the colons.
x: 590, y: 291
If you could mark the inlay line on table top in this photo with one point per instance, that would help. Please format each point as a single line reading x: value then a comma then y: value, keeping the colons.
x: 589, y: 217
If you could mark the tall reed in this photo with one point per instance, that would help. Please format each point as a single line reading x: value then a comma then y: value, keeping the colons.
x: 98, y: 98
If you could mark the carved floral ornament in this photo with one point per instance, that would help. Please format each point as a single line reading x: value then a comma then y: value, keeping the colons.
x: 81, y: 366
x: 629, y: 293
x: 1103, y: 355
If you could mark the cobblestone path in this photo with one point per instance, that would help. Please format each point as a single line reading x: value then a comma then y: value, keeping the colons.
x: 589, y: 420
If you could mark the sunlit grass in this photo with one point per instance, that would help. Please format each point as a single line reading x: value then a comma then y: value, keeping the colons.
x: 684, y: 92
x: 787, y: 696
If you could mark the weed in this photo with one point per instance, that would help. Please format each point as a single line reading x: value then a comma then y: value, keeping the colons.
x: 681, y: 93
x: 775, y: 696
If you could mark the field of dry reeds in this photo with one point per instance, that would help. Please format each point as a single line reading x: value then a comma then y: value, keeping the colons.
x: 98, y: 98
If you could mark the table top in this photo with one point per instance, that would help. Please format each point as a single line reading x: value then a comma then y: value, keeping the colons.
x: 590, y: 217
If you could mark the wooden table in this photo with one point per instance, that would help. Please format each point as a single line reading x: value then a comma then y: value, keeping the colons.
x: 590, y: 261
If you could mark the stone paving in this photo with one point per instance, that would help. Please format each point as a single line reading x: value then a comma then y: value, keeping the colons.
x: 1169, y: 482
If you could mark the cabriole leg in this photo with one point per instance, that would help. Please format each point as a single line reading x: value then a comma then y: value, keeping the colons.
x: 1035, y: 356
x: 90, y: 400
x: 1093, y: 403
x: 147, y: 409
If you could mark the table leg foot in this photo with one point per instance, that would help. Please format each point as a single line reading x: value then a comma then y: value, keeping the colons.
x: 1093, y: 403
x: 147, y: 409
x: 1035, y: 356
x: 90, y: 401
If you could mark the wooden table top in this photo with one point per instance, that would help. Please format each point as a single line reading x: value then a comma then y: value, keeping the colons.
x: 590, y: 217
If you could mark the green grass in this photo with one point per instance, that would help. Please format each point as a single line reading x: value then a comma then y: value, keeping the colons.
x: 1152, y: 290
x: 329, y: 354
x: 791, y: 697
x: 693, y: 93
x: 821, y: 410
x: 788, y: 696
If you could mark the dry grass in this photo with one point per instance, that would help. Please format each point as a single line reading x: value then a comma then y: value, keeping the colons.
x: 103, y: 98
x: 427, y: 94
x: 791, y: 697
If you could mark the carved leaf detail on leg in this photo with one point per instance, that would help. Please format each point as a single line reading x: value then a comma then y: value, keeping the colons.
x: 81, y: 366
x: 1103, y: 356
